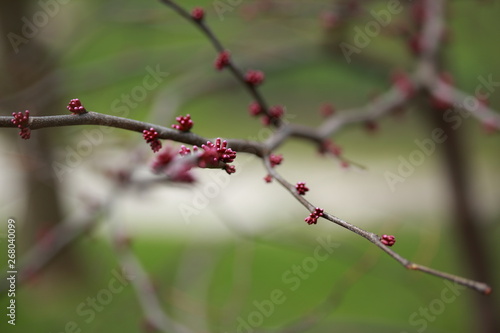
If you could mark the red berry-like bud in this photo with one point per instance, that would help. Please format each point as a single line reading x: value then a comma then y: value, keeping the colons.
x: 490, y: 126
x: 254, y: 77
x: 22, y: 121
x: 416, y: 44
x: 388, y: 240
x: 327, y: 110
x: 268, y: 178
x: 275, y: 160
x: 255, y: 108
x: 266, y: 120
x: 328, y: 146
x: 197, y: 13
x: 313, y: 217
x: 402, y: 81
x: 148, y: 326
x: 371, y: 126
x: 329, y: 19
x: 418, y: 12
x: 276, y: 111
x: 301, y: 188
x: 76, y: 107
x: 163, y: 159
x: 185, y: 123
x: 222, y: 60
x: 151, y: 137
x: 230, y: 169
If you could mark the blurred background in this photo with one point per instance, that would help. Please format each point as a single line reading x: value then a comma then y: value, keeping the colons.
x: 221, y: 251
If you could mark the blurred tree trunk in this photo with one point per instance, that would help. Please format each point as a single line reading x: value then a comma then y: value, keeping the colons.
x: 472, y: 243
x: 29, y: 81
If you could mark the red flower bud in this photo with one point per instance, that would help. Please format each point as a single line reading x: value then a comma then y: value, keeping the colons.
x: 197, y: 13
x: 222, y: 60
x: 388, y: 240
x: 254, y: 77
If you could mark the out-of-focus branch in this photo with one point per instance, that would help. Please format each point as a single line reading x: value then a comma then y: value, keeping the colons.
x: 146, y: 293
x: 54, y: 242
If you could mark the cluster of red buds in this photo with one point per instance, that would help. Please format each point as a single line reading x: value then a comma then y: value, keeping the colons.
x: 213, y: 154
x: 163, y: 159
x: 76, y: 107
x: 275, y: 160
x: 275, y: 112
x: 328, y: 146
x: 388, y: 240
x: 168, y: 163
x: 314, y: 216
x: 301, y: 188
x: 185, y: 123
x: 176, y: 168
x: 217, y: 152
x: 151, y: 137
x: 222, y: 60
x: 22, y: 121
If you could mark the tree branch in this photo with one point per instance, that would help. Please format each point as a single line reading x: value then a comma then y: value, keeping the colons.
x: 424, y: 76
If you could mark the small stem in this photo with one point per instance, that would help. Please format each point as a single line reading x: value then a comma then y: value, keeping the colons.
x: 375, y: 239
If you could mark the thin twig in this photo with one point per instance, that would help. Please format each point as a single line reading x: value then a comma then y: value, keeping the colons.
x: 374, y: 238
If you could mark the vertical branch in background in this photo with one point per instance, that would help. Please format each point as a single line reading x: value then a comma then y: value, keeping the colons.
x: 471, y: 242
x: 470, y: 237
x: 28, y: 82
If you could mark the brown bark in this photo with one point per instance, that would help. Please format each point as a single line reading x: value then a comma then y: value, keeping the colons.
x: 471, y: 239
x: 28, y: 82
